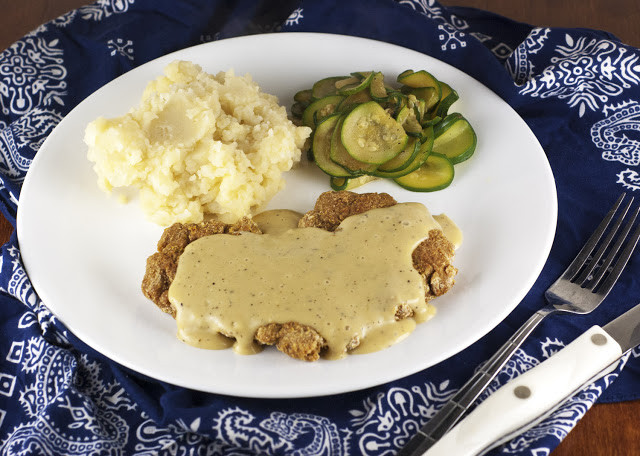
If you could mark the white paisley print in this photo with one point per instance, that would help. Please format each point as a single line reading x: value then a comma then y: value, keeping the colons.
x: 389, y: 420
x: 103, y: 9
x: 617, y: 136
x: 587, y: 73
x: 451, y: 34
x: 31, y: 74
x: 520, y: 65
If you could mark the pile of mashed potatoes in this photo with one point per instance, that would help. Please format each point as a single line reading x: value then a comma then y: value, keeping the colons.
x: 197, y: 144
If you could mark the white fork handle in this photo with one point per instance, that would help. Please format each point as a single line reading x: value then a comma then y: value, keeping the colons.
x: 530, y: 397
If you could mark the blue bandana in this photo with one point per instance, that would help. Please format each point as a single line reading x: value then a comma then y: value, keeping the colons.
x: 577, y: 90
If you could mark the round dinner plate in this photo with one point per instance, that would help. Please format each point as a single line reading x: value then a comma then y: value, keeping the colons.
x: 85, y: 252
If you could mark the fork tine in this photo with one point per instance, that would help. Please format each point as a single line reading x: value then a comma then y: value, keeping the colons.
x: 602, y: 270
x: 575, y: 266
x: 585, y: 276
x: 612, y: 278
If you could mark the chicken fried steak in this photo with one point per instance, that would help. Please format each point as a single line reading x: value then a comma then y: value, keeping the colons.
x: 432, y: 258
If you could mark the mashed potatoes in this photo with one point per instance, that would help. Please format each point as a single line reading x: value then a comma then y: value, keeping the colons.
x: 197, y: 144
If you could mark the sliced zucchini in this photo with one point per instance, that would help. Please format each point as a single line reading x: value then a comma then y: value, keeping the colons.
x: 431, y: 95
x: 325, y: 87
x: 347, y: 81
x: 354, y: 100
x: 419, y: 79
x: 343, y: 183
x: 403, y: 159
x: 297, y: 109
x: 361, y: 74
x: 456, y: 140
x: 319, y: 109
x: 424, y: 150
x: 433, y: 121
x: 304, y: 96
x: 338, y: 183
x: 420, y: 108
x: 404, y: 73
x: 321, y: 148
x: 364, y: 128
x: 377, y: 87
x: 340, y: 155
x: 354, y: 86
x: 435, y: 173
x: 445, y: 123
x: 395, y: 102
x: 449, y: 96
x: 407, y: 118
x: 371, y: 135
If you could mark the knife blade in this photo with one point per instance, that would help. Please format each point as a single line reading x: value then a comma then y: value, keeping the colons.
x: 529, y: 398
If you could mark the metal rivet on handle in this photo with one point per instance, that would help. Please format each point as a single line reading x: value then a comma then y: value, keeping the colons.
x: 598, y: 339
x: 522, y: 392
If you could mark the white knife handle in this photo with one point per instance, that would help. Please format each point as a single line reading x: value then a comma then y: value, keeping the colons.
x: 531, y: 395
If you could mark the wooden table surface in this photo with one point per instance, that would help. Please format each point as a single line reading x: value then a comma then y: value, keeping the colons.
x: 607, y: 429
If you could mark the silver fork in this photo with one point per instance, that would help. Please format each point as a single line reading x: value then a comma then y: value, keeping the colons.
x: 579, y: 290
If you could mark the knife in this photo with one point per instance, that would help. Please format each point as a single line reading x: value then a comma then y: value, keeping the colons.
x: 529, y: 398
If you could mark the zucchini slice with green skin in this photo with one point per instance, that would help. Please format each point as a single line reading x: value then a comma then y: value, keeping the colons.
x: 407, y: 118
x: 457, y: 140
x: 371, y: 135
x: 419, y: 79
x: 395, y: 102
x: 344, y: 183
x: 322, y: 148
x: 340, y: 155
x: 320, y: 109
x: 435, y: 174
x: 356, y: 86
x: 404, y: 73
x: 403, y: 159
x: 354, y: 100
x: 361, y: 74
x: 304, y: 96
x: 377, y: 87
x: 431, y: 95
x: 325, y: 87
x: 338, y: 183
x: 297, y: 109
x: 435, y: 121
x: 445, y: 123
x: 424, y: 150
x: 449, y: 96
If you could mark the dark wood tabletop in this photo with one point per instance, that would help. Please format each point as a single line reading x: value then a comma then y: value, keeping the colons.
x: 607, y: 429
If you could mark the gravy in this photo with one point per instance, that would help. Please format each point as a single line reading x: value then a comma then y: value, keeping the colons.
x: 344, y: 284
x: 277, y: 221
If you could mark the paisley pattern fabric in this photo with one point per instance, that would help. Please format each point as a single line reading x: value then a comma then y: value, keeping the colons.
x: 578, y: 90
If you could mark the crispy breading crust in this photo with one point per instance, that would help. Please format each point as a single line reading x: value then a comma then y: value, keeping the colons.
x: 296, y: 340
x: 431, y: 258
x: 332, y: 208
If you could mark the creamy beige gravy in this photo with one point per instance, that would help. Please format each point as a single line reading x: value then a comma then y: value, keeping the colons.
x: 343, y: 284
x: 277, y: 221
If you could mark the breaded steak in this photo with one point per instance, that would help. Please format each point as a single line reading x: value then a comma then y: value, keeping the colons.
x: 432, y: 258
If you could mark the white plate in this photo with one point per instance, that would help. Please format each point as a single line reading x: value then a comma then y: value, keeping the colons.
x: 85, y: 253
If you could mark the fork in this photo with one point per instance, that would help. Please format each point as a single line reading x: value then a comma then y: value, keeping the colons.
x: 579, y: 290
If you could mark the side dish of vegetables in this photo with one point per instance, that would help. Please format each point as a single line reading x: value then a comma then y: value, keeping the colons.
x: 365, y: 128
